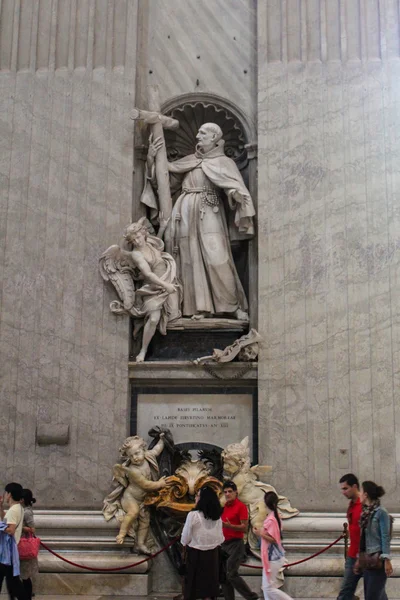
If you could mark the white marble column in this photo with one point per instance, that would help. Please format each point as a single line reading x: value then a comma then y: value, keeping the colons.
x: 67, y: 84
x: 329, y: 244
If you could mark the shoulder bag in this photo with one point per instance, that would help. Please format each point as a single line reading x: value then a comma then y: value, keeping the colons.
x: 275, y: 552
x: 370, y: 561
x: 28, y: 547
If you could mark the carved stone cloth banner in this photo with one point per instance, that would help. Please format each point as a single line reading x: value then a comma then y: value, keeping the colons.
x: 145, y: 280
x: 209, y: 183
x: 244, y: 349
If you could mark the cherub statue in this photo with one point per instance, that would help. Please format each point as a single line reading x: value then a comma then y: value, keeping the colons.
x: 236, y: 463
x: 137, y: 476
x: 145, y: 280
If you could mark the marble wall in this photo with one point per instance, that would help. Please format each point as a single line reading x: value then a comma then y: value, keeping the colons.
x: 67, y: 75
x: 70, y: 71
x: 329, y: 244
x: 191, y: 46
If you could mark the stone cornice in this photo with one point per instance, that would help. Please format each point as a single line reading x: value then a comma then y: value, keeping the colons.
x: 184, y: 370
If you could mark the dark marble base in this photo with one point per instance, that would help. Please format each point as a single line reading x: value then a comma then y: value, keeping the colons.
x: 186, y: 345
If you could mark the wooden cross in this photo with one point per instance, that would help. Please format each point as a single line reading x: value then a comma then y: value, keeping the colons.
x: 158, y: 122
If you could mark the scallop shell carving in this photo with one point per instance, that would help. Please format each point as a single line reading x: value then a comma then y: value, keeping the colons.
x: 191, y: 116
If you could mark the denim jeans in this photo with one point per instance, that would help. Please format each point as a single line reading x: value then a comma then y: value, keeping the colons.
x: 350, y: 580
x: 374, y: 584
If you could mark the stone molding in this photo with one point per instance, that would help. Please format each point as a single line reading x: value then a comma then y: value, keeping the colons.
x: 88, y: 537
x: 66, y: 35
x: 328, y: 31
x: 184, y: 370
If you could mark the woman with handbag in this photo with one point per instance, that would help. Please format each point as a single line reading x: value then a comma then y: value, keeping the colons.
x: 29, y: 567
x: 374, y: 556
x: 272, y: 552
x: 11, y: 530
x: 201, y: 537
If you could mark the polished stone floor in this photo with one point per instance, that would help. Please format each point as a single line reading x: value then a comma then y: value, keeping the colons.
x: 153, y: 597
x: 129, y: 597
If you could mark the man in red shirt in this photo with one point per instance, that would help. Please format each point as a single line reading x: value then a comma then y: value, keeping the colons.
x: 350, y: 488
x: 235, y: 518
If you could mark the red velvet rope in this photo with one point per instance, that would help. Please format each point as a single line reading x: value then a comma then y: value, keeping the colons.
x: 70, y: 562
x: 152, y: 556
x: 298, y: 562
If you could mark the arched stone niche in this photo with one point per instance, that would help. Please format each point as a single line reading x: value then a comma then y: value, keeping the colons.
x: 240, y: 135
x: 192, y: 110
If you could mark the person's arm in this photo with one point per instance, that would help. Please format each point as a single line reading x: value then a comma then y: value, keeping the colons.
x: 144, y: 268
x: 120, y: 474
x: 159, y: 447
x: 148, y: 484
x: 29, y: 523
x: 12, y: 521
x: 154, y: 146
x: 186, y: 536
x: 240, y: 198
x: 2, y: 512
x: 163, y: 225
x: 27, y: 529
x: 10, y: 529
x: 242, y: 527
x: 220, y: 532
x: 384, y: 527
x: 263, y: 534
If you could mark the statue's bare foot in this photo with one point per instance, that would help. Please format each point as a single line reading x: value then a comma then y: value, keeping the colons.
x: 140, y: 357
x: 142, y: 549
x: 241, y: 315
x: 198, y: 317
x: 120, y: 538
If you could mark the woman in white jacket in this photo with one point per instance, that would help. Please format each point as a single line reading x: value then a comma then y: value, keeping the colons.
x: 201, y: 537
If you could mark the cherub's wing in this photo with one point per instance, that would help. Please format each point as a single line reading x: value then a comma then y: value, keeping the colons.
x: 261, y: 471
x: 120, y: 475
x: 117, y: 266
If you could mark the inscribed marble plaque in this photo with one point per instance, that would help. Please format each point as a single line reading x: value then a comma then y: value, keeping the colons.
x: 206, y: 418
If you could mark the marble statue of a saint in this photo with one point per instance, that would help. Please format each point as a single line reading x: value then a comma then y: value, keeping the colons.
x: 198, y: 233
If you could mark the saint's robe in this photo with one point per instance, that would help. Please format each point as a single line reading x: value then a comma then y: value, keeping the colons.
x: 199, y: 235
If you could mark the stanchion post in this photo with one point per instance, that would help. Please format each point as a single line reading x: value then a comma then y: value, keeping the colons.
x: 346, y: 538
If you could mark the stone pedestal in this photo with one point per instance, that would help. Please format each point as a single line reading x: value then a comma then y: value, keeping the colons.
x: 84, y: 537
x: 93, y: 584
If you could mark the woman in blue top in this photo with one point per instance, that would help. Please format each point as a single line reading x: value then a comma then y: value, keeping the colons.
x: 375, y: 540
